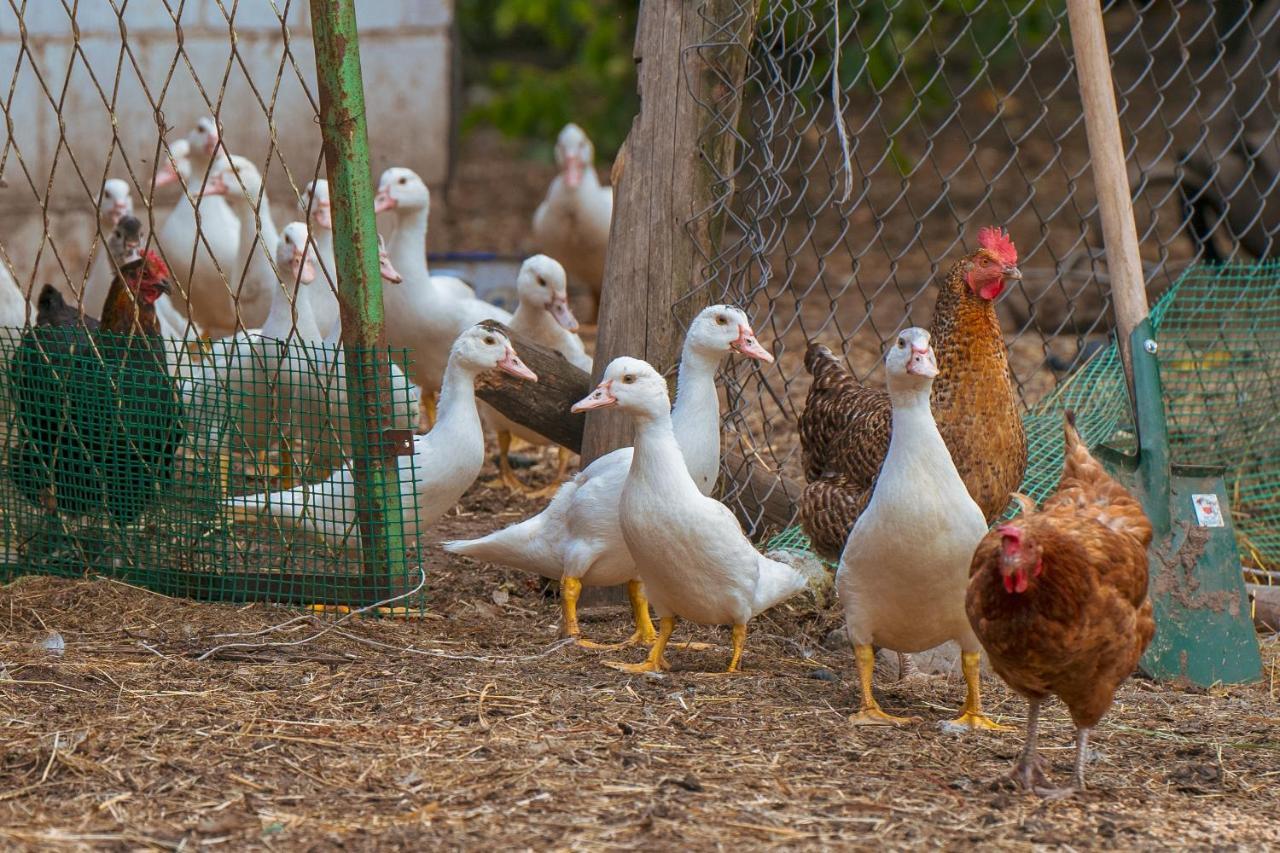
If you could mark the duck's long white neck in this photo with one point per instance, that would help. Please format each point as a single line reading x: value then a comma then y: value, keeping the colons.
x: 914, y: 427
x: 536, y: 322
x: 658, y: 456
x: 408, y: 249
x: 457, y: 419
x: 696, y: 416
x: 255, y: 239
x: 293, y: 317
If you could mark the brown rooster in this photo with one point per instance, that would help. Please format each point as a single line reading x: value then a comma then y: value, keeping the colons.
x: 845, y: 426
x: 1059, y: 600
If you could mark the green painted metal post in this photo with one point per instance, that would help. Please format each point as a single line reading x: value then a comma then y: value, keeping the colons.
x: 355, y: 245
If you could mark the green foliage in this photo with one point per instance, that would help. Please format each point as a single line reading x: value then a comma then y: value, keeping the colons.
x: 539, y: 64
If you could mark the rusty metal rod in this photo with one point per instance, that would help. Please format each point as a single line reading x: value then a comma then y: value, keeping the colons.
x: 355, y: 246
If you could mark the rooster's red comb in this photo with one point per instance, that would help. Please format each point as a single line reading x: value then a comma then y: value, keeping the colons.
x: 997, y: 242
x: 154, y: 266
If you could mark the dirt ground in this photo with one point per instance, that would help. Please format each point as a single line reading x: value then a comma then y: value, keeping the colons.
x: 473, y: 727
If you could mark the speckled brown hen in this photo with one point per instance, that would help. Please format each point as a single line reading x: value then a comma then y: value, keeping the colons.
x: 845, y: 426
x: 1058, y: 599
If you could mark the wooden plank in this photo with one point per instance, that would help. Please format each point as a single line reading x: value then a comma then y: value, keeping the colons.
x: 691, y: 59
x: 1110, y: 175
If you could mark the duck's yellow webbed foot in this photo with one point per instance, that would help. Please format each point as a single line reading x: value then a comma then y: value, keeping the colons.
x: 870, y: 713
x: 657, y: 660
x: 971, y: 716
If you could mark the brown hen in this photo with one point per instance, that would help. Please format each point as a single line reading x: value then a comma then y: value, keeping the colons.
x: 1059, y: 600
x: 845, y: 426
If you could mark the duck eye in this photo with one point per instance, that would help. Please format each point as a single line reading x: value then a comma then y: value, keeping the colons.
x: 901, y: 343
x: 403, y: 181
x: 490, y: 339
x: 542, y: 282
x: 721, y: 320
x: 628, y: 379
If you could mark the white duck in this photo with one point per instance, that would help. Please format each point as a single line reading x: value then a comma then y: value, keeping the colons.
x: 544, y: 317
x: 203, y: 257
x: 572, y: 223
x: 690, y: 552
x: 115, y: 203
x: 423, y: 316
x: 321, y: 408
x: 254, y: 272
x: 905, y: 567
x: 315, y: 205
x: 445, y: 461
x: 262, y: 368
x: 577, y: 539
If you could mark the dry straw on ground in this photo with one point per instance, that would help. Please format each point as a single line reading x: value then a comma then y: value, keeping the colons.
x: 474, y: 726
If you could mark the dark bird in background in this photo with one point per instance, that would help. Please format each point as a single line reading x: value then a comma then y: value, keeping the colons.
x: 97, y: 416
x: 845, y: 426
x: 1058, y: 598
x: 53, y: 310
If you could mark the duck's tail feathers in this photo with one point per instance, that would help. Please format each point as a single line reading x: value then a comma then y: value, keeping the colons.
x: 777, y: 583
x: 519, y: 546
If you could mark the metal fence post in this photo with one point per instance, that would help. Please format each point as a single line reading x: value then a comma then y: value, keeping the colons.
x: 346, y: 152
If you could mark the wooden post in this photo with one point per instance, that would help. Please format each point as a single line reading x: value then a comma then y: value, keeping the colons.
x: 1110, y: 176
x: 691, y: 59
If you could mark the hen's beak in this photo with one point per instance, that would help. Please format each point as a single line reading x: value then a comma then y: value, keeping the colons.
x: 322, y: 215
x: 383, y: 201
x: 512, y: 364
x: 164, y: 286
x: 559, y: 309
x: 300, y: 266
x: 922, y: 363
x: 749, y: 346
x: 389, y: 273
x: 1011, y: 271
x: 573, y: 168
x: 600, y: 398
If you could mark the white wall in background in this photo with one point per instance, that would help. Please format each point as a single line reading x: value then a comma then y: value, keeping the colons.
x: 72, y: 97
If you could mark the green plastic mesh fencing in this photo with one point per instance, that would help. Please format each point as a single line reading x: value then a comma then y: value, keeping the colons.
x: 1220, y: 367
x: 1218, y: 327
x: 222, y: 471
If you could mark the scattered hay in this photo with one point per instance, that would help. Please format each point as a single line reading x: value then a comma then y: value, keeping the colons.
x: 476, y: 726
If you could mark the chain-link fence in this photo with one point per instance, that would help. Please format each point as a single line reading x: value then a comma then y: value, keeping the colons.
x: 203, y: 439
x: 876, y: 138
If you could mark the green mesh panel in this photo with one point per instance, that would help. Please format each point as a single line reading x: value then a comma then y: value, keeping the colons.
x: 1220, y: 373
x: 1220, y: 368
x: 147, y: 464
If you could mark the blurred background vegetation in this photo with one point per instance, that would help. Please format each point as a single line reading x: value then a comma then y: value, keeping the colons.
x: 530, y: 66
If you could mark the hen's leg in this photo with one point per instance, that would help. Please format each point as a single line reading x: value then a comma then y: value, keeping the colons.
x: 657, y: 661
x: 871, y: 714
x: 971, y: 716
x: 1029, y: 771
x: 1082, y: 753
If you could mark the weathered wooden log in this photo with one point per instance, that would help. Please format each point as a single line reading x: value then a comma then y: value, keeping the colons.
x: 1266, y: 607
x: 763, y: 501
x: 542, y: 407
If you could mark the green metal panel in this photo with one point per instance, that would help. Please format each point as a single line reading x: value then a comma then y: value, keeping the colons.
x: 1203, y: 629
x: 346, y: 150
